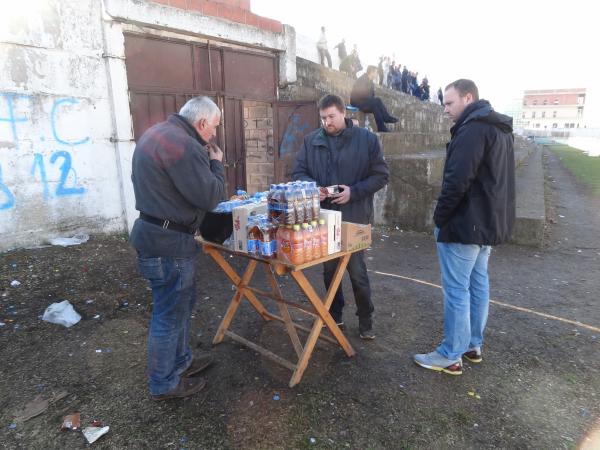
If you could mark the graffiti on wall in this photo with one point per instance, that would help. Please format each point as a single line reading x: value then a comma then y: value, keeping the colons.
x: 60, y: 161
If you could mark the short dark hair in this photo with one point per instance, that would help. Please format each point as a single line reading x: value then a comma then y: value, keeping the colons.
x: 331, y: 100
x: 464, y: 87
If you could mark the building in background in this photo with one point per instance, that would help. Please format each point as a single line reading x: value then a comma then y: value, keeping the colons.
x: 548, y: 109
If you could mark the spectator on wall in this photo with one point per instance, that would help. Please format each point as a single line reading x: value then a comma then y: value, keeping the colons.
x: 363, y: 97
x: 322, y: 48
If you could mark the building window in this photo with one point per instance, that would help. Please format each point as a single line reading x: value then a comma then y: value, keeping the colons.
x: 556, y: 101
x: 535, y: 102
x: 579, y: 112
x: 553, y: 114
x: 566, y: 125
x: 523, y: 116
x: 537, y: 125
x: 543, y: 114
x: 533, y: 115
x: 581, y: 99
x: 554, y: 125
x: 545, y: 101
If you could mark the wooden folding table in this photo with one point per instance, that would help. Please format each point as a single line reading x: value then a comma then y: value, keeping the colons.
x: 318, y: 308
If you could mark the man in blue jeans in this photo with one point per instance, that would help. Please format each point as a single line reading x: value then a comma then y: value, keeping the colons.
x: 475, y: 210
x: 177, y: 176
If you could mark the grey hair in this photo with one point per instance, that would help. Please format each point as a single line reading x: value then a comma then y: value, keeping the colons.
x: 199, y: 108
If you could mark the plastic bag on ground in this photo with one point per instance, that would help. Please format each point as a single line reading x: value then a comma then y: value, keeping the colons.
x: 65, y: 241
x: 61, y: 313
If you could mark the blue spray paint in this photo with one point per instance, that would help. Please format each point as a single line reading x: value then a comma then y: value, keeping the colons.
x: 57, y: 103
x: 11, y: 119
x: 10, y: 198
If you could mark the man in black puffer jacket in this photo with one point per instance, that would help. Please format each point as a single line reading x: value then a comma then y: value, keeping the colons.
x: 475, y: 210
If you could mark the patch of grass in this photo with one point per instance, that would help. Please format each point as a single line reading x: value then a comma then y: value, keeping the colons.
x: 585, y: 168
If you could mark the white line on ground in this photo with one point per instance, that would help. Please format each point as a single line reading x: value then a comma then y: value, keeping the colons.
x: 496, y: 302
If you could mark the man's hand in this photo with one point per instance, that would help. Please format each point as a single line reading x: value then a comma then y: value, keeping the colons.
x: 214, y: 152
x: 343, y: 197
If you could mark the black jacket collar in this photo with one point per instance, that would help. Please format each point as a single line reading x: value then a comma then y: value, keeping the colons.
x: 321, y: 138
x: 182, y: 122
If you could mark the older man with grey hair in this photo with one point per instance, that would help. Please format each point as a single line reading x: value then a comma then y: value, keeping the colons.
x: 177, y: 176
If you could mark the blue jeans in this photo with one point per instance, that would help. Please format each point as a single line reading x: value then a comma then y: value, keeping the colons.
x: 173, y: 297
x: 466, y: 289
x: 357, y: 270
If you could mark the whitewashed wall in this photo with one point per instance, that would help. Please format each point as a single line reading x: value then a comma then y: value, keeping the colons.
x: 58, y: 167
x: 65, y: 125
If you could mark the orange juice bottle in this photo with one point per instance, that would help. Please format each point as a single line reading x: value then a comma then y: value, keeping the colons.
x: 284, y: 243
x: 316, y: 240
x: 297, y: 244
x: 308, y: 243
x: 324, y: 237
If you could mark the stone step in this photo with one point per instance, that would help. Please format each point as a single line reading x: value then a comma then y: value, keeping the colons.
x: 531, y: 209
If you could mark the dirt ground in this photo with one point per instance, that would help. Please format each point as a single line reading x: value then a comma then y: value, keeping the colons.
x: 538, y: 386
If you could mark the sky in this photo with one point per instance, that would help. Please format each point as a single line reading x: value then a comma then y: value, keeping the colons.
x: 505, y: 47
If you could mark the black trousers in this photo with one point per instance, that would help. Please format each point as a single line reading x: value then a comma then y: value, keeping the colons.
x: 357, y: 269
x: 375, y: 106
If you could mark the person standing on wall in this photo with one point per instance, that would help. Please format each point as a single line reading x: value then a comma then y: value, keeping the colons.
x: 363, y: 97
x: 322, y: 49
x: 177, y: 176
x: 341, y: 154
x: 475, y: 210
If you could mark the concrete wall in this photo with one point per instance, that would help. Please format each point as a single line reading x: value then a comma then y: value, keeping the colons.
x: 65, y: 125
x: 58, y: 170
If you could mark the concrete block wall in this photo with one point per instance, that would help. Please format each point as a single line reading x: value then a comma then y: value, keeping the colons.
x: 258, y: 134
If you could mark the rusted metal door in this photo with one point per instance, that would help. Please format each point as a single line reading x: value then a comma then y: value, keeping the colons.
x: 294, y: 120
x: 163, y: 74
x: 234, y: 158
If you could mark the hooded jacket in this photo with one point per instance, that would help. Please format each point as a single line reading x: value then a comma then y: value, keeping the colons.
x: 477, y: 201
x: 357, y: 162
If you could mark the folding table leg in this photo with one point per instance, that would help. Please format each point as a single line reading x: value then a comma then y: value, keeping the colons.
x: 235, y: 278
x: 285, y: 312
x: 322, y: 309
x: 235, y: 302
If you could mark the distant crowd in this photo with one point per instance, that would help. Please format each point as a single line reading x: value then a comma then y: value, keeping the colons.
x: 390, y: 74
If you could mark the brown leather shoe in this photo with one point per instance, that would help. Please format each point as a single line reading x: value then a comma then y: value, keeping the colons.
x: 198, y: 365
x: 185, y: 388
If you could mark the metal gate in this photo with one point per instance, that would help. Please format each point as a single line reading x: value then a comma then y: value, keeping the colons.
x: 164, y: 73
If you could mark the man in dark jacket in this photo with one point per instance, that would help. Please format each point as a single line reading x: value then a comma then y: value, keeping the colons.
x: 363, y: 97
x: 348, y: 156
x: 177, y: 176
x: 475, y: 210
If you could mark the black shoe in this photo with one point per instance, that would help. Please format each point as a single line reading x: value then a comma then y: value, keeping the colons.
x: 339, y: 321
x: 391, y: 119
x: 185, y: 388
x: 198, y: 365
x: 365, y: 329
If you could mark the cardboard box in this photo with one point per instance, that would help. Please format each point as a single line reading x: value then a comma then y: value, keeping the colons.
x: 333, y: 222
x: 240, y: 220
x: 355, y: 236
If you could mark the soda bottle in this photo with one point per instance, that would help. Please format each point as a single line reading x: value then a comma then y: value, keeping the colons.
x: 308, y: 242
x: 284, y: 244
x: 252, y: 233
x: 270, y: 201
x: 298, y: 204
x: 324, y: 237
x: 288, y: 206
x: 316, y: 202
x: 307, y: 201
x: 297, y: 245
x: 266, y: 249
x: 316, y: 240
